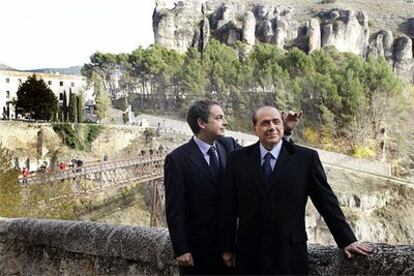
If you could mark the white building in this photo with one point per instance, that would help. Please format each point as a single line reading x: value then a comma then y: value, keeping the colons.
x: 58, y: 83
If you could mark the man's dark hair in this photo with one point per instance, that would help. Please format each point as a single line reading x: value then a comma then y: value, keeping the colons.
x: 254, y: 120
x: 199, y: 110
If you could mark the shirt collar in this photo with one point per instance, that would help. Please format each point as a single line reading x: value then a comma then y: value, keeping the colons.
x: 204, y: 147
x: 275, y: 151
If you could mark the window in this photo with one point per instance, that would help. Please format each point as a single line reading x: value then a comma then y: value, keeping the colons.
x: 20, y: 80
x: 61, y: 96
x: 7, y: 80
x: 49, y: 82
x: 7, y: 94
x: 72, y: 84
x: 61, y: 83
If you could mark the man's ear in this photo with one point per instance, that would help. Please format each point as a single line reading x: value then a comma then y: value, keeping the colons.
x: 201, y: 124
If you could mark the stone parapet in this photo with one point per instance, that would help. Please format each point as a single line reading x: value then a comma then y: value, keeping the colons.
x: 39, y: 247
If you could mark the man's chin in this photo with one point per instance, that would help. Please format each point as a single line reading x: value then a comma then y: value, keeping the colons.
x: 274, y: 141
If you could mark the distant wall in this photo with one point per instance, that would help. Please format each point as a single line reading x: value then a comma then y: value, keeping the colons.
x: 359, y: 164
x: 35, y: 247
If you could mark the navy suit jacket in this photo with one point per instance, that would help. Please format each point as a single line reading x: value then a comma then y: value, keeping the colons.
x: 192, y: 201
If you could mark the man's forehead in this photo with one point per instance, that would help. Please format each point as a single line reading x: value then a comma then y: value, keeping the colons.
x: 268, y: 114
x: 215, y: 110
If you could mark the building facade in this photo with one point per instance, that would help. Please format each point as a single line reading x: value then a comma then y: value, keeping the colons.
x: 58, y: 83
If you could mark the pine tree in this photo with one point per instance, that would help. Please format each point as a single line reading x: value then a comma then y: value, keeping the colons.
x: 65, y: 107
x: 73, y: 107
x: 79, y: 106
x: 36, y: 100
x: 101, y: 96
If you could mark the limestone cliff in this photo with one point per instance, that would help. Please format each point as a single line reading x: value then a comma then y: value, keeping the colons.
x: 192, y: 23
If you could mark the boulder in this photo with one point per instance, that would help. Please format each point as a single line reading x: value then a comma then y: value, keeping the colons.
x: 346, y: 30
x: 179, y: 28
x: 380, y: 44
x: 403, y: 61
x: 309, y: 36
x: 249, y: 28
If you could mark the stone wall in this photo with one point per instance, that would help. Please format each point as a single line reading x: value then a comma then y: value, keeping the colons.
x: 38, y: 247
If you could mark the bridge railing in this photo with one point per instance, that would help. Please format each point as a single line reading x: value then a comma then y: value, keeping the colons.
x: 120, y: 170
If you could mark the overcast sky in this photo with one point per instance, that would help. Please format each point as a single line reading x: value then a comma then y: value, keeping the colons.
x: 63, y: 33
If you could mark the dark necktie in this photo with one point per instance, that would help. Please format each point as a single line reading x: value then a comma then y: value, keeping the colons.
x: 267, y: 168
x: 214, y: 164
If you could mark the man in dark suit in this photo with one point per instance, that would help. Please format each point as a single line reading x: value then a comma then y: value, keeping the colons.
x: 193, y: 181
x: 265, y: 191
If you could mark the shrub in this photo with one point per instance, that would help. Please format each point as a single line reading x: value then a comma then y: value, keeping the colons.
x: 78, y: 137
x: 364, y: 152
x: 311, y: 136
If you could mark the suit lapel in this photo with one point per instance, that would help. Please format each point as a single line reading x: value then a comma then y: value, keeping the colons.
x: 282, y: 162
x: 253, y: 166
x: 222, y: 156
x: 196, y: 156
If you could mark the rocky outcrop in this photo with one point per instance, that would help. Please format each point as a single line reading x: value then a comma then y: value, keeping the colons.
x: 39, y: 247
x: 191, y: 24
x: 381, y: 44
x: 182, y: 27
x: 346, y: 30
x: 403, y: 61
x: 398, y: 52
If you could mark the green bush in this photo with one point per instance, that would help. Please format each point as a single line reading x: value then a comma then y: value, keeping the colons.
x: 77, y: 136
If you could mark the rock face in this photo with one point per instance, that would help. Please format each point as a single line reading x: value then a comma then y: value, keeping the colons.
x: 380, y: 44
x: 346, y: 30
x: 182, y: 27
x: 192, y: 23
x: 378, y: 210
x: 403, y: 61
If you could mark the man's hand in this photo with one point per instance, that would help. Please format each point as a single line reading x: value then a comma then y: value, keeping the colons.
x: 357, y: 248
x: 185, y: 260
x: 291, y: 120
x: 229, y: 258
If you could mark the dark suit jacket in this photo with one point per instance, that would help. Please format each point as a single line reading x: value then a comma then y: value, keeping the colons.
x: 271, y: 237
x: 192, y: 201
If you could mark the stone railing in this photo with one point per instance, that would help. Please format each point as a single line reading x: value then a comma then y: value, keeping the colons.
x: 37, y: 247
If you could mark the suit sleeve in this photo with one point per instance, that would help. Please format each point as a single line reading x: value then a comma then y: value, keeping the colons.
x: 327, y: 205
x: 175, y: 206
x: 228, y: 209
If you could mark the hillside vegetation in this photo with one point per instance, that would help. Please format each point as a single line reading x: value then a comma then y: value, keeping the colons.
x: 351, y: 105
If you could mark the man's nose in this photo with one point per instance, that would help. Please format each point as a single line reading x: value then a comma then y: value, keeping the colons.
x: 224, y: 122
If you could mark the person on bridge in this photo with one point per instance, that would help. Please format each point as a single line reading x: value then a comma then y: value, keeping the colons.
x: 26, y: 174
x: 266, y: 187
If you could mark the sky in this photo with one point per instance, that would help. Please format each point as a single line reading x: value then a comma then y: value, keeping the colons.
x: 63, y: 33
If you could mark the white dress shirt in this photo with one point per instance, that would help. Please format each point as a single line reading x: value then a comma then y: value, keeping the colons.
x: 204, y: 147
x: 275, y: 153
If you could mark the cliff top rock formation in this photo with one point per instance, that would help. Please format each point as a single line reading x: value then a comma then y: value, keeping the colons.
x: 287, y: 24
